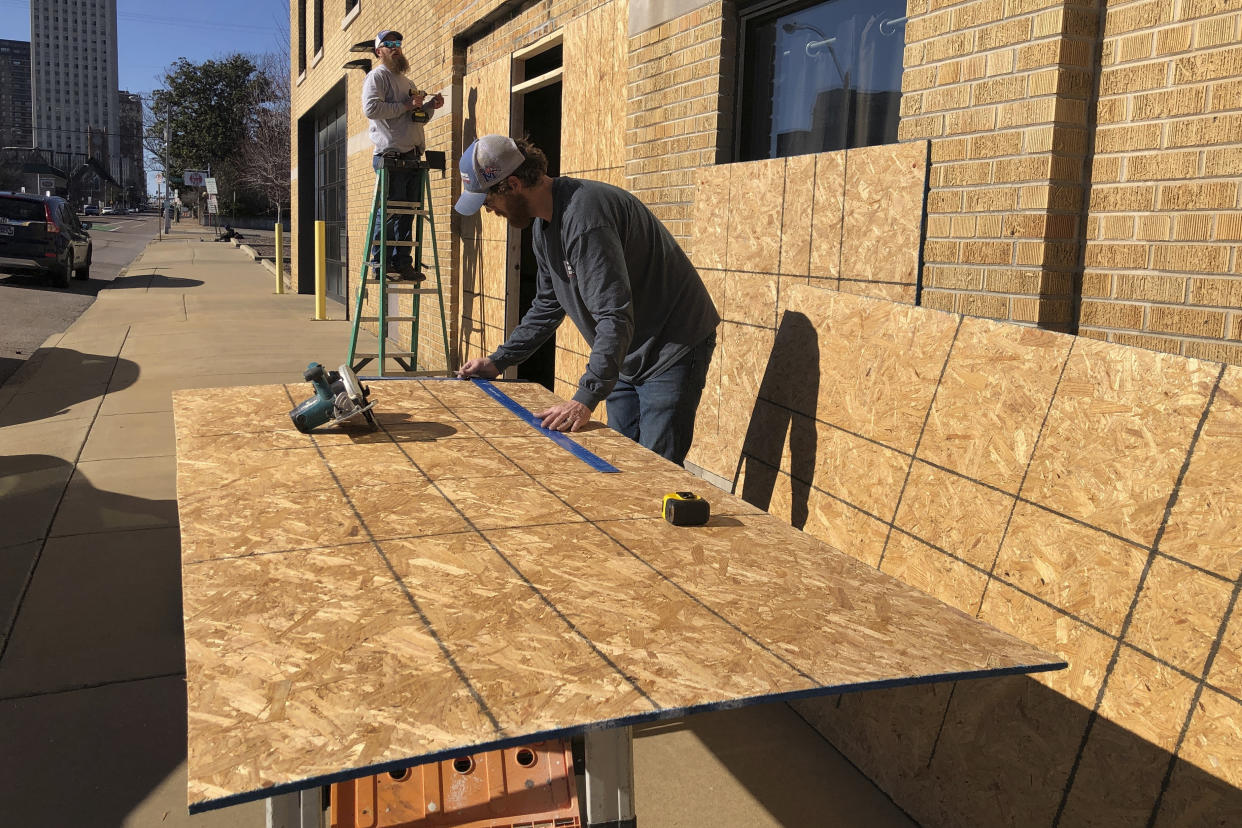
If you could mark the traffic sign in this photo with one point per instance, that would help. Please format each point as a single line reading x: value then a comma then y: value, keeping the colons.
x: 210, y: 183
x: 195, y: 178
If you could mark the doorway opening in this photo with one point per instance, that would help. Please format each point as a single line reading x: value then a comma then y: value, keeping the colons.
x: 537, y: 116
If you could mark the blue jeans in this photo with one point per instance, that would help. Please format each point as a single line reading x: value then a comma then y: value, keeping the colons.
x: 659, y: 413
x: 403, y: 185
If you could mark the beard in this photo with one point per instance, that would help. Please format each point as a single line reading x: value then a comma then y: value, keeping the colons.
x: 518, y: 213
x: 395, y: 62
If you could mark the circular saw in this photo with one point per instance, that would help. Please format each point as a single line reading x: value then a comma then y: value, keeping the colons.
x: 339, y: 398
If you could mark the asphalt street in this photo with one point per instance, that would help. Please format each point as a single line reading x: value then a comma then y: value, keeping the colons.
x: 31, y: 310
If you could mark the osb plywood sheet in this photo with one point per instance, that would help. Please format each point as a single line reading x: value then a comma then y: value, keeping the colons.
x: 984, y: 429
x: 709, y: 245
x: 1117, y: 435
x: 879, y: 290
x: 827, y: 214
x: 749, y: 298
x: 1205, y: 527
x: 756, y: 206
x: 797, y: 210
x: 1080, y: 495
x: 884, y: 193
x: 482, y: 587
x: 882, y: 362
x: 596, y: 48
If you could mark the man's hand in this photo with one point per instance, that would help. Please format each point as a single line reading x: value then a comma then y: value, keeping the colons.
x: 478, y: 367
x: 437, y: 101
x: 567, y: 416
x: 417, y: 96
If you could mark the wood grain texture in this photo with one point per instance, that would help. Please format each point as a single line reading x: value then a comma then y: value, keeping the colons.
x: 885, y: 187
x: 509, y: 593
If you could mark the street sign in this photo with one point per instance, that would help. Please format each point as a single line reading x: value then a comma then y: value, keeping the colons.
x: 195, y: 178
x: 47, y: 184
x: 210, y: 183
x: 159, y: 179
x: 212, y: 206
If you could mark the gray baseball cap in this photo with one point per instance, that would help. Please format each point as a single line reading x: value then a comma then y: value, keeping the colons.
x: 485, y: 163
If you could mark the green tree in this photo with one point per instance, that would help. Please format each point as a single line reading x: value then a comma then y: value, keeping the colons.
x: 207, y: 111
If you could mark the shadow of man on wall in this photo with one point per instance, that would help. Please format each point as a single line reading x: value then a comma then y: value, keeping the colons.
x: 470, y: 237
x: 784, y: 408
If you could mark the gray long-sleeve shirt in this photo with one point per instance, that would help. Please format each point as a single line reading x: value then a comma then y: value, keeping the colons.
x: 384, y: 98
x: 606, y: 261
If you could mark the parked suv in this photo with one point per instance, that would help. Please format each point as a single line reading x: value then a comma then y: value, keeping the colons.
x: 41, y: 233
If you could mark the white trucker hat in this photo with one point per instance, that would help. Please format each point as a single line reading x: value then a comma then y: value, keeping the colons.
x: 485, y: 163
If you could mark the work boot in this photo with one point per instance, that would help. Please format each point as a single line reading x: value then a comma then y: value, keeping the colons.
x: 407, y: 273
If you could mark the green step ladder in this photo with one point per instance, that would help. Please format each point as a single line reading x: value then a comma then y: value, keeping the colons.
x: 392, y: 345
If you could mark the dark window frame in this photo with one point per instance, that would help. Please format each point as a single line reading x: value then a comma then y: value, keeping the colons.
x: 753, y: 109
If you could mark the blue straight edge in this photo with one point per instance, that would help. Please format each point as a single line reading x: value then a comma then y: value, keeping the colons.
x: 591, y: 459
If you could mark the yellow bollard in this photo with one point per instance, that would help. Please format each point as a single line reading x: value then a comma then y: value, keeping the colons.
x: 321, y: 271
x: 280, y: 260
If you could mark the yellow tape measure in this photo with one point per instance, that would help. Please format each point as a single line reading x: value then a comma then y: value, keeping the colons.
x: 685, y: 509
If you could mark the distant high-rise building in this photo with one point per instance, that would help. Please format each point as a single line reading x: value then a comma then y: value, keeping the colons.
x: 15, y: 94
x: 133, y: 174
x: 74, y: 78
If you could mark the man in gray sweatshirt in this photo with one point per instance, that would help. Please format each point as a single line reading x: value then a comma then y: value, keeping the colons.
x: 397, y: 111
x: 609, y: 264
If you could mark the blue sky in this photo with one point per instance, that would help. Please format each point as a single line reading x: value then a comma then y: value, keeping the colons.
x: 151, y: 34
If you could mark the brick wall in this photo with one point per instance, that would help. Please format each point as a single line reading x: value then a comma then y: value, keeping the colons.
x: 1002, y: 89
x: 1162, y: 267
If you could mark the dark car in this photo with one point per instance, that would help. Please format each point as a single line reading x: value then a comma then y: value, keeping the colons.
x: 40, y: 233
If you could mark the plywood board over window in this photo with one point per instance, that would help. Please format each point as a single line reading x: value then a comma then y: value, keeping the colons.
x: 593, y: 95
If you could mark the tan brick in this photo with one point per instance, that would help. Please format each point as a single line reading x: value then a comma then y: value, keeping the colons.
x: 1128, y: 138
x: 1097, y: 285
x: 985, y: 252
x: 951, y: 46
x: 1005, y: 33
x: 948, y: 149
x: 1192, y: 227
x: 1106, y: 169
x: 1222, y: 162
x: 1198, y: 195
x: 1151, y: 343
x: 978, y: 13
x: 940, y: 251
x: 1135, y: 16
x: 1154, y: 228
x: 1189, y: 321
x: 1115, y: 227
x: 1112, y: 254
x: 1034, y: 55
x: 1212, y: 129
x: 975, y: 119
x: 1174, y: 39
x: 1000, y: 62
x: 1135, y: 47
x: 992, y: 198
x: 1216, y: 32
x: 1190, y: 258
x: 966, y: 174
x: 996, y: 144
x: 947, y: 73
x: 1156, y: 166
x: 918, y: 78
x: 1170, y: 103
x: 986, y: 305
x: 1092, y: 334
x: 1126, y: 198
x: 939, y: 300
x: 955, y: 277
x: 1027, y: 112
x: 939, y: 226
x: 1210, y: 65
x: 963, y: 227
x: 947, y: 97
x: 928, y: 26
x: 1137, y: 78
x: 1149, y: 288
x: 1111, y: 110
x: 1229, y: 226
x: 945, y: 201
x: 1028, y: 282
x: 1220, y: 293
x: 1215, y: 351
x: 1111, y: 315
x: 1225, y: 95
x: 989, y: 226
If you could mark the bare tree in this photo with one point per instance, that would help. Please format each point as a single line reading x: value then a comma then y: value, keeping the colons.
x: 264, y: 163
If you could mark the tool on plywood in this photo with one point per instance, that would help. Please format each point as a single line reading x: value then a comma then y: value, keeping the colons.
x: 398, y: 333
x: 339, y: 397
x: 685, y: 509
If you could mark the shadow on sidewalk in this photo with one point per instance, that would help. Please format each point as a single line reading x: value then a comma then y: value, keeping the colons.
x: 85, y: 376
x: 145, y: 281
x: 80, y: 287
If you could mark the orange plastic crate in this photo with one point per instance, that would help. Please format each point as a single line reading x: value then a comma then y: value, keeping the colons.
x: 530, y: 785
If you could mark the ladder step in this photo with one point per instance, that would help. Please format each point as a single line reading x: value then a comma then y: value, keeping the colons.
x: 387, y: 353
x: 391, y: 318
x: 404, y: 212
x: 405, y: 205
x: 375, y: 243
x: 401, y: 287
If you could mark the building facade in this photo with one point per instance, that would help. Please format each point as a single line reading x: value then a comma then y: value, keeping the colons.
x: 131, y: 171
x: 15, y: 113
x: 1067, y: 165
x: 73, y: 53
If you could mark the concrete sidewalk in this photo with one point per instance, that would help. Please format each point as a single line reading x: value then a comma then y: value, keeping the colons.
x: 92, y: 693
